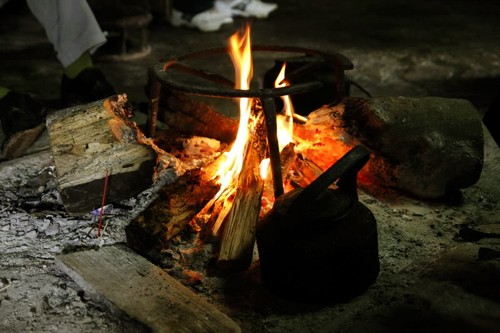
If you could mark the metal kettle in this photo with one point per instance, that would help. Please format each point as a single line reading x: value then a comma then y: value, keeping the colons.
x: 319, y: 244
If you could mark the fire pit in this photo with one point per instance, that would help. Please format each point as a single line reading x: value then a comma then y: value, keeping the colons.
x: 238, y: 213
x: 232, y: 204
x: 173, y: 73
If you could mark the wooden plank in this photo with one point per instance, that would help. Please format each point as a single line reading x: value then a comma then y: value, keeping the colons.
x: 123, y: 279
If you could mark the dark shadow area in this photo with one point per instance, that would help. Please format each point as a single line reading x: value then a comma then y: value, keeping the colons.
x: 247, y: 291
x: 481, y: 92
x: 477, y: 277
x: 419, y: 317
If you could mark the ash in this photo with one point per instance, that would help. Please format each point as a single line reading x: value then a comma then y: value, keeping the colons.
x: 430, y: 278
x: 34, y: 228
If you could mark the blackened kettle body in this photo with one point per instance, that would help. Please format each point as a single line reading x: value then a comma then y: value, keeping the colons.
x: 319, y: 244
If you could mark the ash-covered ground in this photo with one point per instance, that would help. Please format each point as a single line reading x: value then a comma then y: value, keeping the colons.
x: 431, y: 280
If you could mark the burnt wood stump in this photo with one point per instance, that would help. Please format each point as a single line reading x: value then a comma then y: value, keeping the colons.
x: 424, y: 146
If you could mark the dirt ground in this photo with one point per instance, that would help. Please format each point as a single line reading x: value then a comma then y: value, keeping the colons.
x: 431, y: 280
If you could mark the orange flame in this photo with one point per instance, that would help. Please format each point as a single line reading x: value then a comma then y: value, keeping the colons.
x: 241, y: 55
x: 285, y: 121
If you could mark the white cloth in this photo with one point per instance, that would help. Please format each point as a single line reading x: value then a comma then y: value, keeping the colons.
x: 70, y: 26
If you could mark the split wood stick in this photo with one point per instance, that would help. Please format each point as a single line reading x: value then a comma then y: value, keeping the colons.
x: 238, y: 239
x: 211, y: 217
x: 214, y: 214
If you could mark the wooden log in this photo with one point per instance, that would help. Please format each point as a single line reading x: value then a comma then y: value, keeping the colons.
x: 123, y: 280
x: 192, y: 151
x: 415, y: 143
x: 305, y: 171
x: 187, y: 201
x: 423, y: 146
x: 93, y: 140
x: 188, y: 115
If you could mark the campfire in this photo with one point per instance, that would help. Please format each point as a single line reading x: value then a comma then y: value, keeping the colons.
x: 281, y: 179
x: 251, y: 171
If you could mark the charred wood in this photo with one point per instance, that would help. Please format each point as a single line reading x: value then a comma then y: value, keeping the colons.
x: 189, y: 116
x: 171, y: 212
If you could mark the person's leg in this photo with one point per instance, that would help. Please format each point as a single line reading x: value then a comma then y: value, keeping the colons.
x: 72, y: 29
x: 21, y: 120
x: 75, y: 34
x: 70, y: 26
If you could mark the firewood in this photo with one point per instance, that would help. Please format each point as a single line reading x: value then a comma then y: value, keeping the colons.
x: 423, y: 146
x: 171, y: 212
x: 189, y: 116
x: 238, y: 239
x: 304, y: 171
x: 415, y: 143
x: 91, y: 140
x: 128, y: 284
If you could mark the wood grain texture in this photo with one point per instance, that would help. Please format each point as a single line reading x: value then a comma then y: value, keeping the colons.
x: 92, y: 140
x: 122, y: 279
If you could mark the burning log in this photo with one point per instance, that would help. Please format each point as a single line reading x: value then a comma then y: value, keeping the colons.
x: 238, y: 238
x: 93, y: 141
x: 194, y: 117
x: 305, y: 171
x: 424, y: 146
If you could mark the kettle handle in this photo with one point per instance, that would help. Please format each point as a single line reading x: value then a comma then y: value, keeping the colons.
x: 345, y: 170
